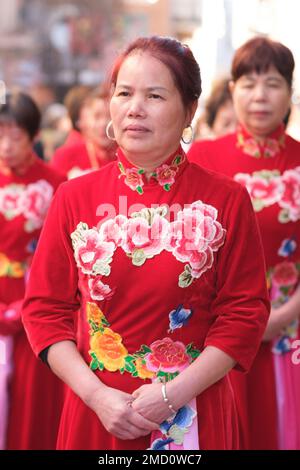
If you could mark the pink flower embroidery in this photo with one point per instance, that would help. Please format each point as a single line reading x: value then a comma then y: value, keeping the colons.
x: 10, y: 200
x: 250, y: 147
x: 264, y: 190
x: 272, y: 147
x: 195, y: 235
x: 285, y: 274
x: 134, y: 179
x: 35, y: 201
x: 92, y: 254
x: 98, y: 290
x: 145, y: 240
x: 165, y: 175
x: 112, y: 230
x: 167, y: 356
x: 291, y: 196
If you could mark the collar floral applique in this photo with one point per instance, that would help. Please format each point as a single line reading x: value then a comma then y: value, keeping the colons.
x: 165, y: 174
x: 269, y: 148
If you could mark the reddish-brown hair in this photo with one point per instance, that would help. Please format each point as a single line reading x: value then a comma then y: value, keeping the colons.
x: 259, y: 54
x: 176, y: 56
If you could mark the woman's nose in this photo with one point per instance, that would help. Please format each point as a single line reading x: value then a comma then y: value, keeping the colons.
x: 259, y: 92
x: 136, y: 108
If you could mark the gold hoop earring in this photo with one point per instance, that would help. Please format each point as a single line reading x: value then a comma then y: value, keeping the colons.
x: 187, y: 135
x: 107, y: 131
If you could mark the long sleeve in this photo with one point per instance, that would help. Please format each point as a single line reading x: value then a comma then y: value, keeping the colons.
x: 241, y: 306
x: 52, y: 296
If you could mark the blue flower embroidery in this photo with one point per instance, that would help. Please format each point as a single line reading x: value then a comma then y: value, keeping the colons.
x: 183, y: 419
x: 179, y: 317
x: 30, y: 248
x: 160, y: 444
x: 288, y: 246
x: 283, y: 345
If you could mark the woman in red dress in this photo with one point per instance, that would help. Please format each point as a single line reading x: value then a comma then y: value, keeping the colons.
x: 264, y: 159
x: 161, y: 257
x: 26, y: 188
x: 95, y: 149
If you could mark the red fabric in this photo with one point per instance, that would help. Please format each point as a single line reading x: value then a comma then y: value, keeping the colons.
x: 74, y: 138
x: 75, y: 158
x: 29, y: 415
x: 229, y: 156
x: 230, y: 310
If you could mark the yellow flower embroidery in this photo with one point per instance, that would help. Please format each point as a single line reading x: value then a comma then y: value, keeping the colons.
x: 4, y: 264
x: 142, y: 370
x: 109, y: 349
x: 94, y: 314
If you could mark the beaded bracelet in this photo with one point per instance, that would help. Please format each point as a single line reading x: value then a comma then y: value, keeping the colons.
x: 166, y: 399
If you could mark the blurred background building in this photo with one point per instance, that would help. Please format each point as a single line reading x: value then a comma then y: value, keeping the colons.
x: 50, y: 45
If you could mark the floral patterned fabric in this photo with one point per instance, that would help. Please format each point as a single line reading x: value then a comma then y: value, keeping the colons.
x: 270, y: 171
x: 153, y: 274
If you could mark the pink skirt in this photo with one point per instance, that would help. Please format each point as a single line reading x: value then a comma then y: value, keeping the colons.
x: 287, y: 378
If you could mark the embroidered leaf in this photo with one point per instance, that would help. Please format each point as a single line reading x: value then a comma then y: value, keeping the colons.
x: 154, y: 174
x: 130, y: 368
x: 135, y: 374
x: 94, y: 364
x: 167, y: 187
x: 177, y: 160
x: 162, y: 374
x: 192, y: 351
x: 122, y: 370
x: 258, y: 204
x: 185, y: 278
x: 138, y: 257
x: 143, y: 351
x: 139, y: 189
x: 129, y: 359
x: 141, y: 171
x: 284, y: 216
x: 122, y: 169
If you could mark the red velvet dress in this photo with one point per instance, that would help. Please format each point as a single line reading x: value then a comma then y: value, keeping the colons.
x: 24, y: 200
x: 271, y: 174
x: 79, y: 159
x: 162, y: 268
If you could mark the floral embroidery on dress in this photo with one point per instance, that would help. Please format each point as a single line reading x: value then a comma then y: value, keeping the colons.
x: 287, y: 247
x: 164, y: 358
x: 9, y: 268
x: 195, y: 236
x: 269, y: 187
x: 283, y: 280
x: 32, y: 201
x: 269, y: 148
x: 164, y: 174
x: 175, y: 428
x: 192, y: 238
x: 179, y: 317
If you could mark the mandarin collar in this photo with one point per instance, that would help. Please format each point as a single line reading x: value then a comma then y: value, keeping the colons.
x: 164, y: 175
x: 268, y: 147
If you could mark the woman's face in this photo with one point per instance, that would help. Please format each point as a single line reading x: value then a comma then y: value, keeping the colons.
x: 225, y: 120
x: 146, y: 109
x: 15, y: 146
x: 261, y: 101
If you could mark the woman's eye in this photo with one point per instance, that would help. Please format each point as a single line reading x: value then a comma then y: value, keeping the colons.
x: 155, y: 96
x: 123, y: 93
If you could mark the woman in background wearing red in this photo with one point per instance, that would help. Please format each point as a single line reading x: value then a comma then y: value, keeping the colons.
x: 264, y: 159
x: 30, y: 396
